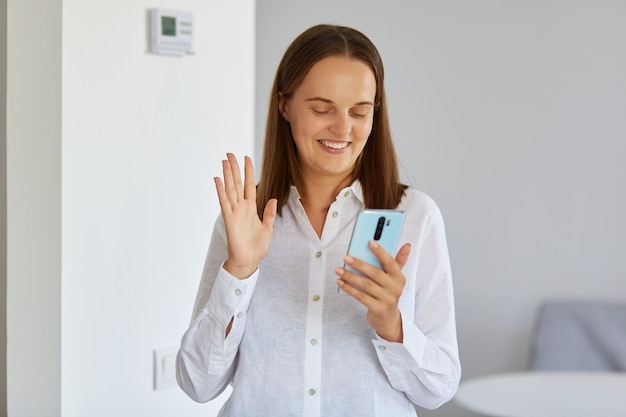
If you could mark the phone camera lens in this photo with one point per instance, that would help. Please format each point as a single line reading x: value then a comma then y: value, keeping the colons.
x: 379, y: 228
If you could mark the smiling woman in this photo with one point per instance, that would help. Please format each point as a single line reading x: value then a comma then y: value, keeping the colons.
x: 331, y: 116
x: 376, y: 167
x: 268, y: 319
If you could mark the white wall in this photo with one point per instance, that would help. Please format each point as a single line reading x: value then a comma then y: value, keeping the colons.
x: 143, y: 137
x: 511, y: 115
x: 111, y: 155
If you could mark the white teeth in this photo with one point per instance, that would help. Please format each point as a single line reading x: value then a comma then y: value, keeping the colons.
x: 334, y: 145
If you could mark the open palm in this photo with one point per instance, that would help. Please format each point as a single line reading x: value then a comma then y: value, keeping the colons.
x: 248, y: 237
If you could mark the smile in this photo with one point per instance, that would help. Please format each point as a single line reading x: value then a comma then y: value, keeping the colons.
x: 334, y: 144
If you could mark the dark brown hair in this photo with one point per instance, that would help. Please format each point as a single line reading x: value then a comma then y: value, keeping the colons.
x: 376, y: 168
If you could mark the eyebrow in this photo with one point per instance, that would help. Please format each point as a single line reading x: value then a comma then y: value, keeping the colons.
x: 325, y: 100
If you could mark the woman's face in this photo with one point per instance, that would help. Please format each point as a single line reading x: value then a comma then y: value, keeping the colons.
x: 331, y: 115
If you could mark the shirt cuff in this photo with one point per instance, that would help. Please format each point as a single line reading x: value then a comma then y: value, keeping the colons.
x: 229, y: 299
x: 398, y: 358
x: 230, y: 294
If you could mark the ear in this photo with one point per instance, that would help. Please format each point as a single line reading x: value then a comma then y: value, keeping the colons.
x: 282, y: 106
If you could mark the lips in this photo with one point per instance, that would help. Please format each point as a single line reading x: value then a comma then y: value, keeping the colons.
x: 334, y: 145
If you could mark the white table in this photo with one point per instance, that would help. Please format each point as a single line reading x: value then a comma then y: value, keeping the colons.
x: 546, y: 394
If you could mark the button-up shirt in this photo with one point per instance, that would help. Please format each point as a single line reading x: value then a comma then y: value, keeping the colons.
x: 299, y: 348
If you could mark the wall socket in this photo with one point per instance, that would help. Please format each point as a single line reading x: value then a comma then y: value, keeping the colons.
x: 164, y: 367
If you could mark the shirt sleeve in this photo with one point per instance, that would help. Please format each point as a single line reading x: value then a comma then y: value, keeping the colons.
x: 426, y: 366
x: 206, y: 357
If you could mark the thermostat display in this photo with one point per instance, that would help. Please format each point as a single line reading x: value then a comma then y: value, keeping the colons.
x: 168, y: 26
x: 171, y: 32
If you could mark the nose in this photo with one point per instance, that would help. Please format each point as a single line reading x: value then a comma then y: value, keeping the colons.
x: 341, y: 124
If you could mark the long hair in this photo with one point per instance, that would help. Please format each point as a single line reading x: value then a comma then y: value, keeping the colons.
x: 376, y: 168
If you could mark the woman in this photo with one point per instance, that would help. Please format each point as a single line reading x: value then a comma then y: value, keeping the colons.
x: 268, y: 319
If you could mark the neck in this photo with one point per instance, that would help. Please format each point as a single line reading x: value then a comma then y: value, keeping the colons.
x: 319, y: 193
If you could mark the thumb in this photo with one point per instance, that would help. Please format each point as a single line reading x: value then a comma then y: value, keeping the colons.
x: 269, y: 213
x: 403, y: 255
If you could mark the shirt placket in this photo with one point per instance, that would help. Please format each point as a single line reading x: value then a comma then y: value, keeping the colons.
x: 313, y: 348
x: 317, y: 280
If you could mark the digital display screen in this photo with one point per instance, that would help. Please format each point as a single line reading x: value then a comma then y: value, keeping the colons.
x: 168, y: 26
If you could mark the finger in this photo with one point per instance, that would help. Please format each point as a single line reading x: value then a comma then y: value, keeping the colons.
x: 369, y: 279
x: 222, y: 197
x: 229, y: 186
x: 403, y: 255
x: 391, y: 265
x: 236, y: 175
x: 392, y: 277
x: 349, y: 288
x: 383, y: 256
x: 354, y: 285
x: 373, y: 272
x: 363, y: 267
x: 249, y: 191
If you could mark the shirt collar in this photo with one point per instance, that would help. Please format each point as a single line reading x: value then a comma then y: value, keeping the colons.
x: 357, y: 190
x: 354, y: 189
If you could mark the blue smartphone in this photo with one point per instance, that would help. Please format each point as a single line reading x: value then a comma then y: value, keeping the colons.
x: 383, y: 226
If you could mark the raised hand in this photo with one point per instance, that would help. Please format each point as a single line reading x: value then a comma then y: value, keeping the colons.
x: 380, y: 290
x: 248, y: 237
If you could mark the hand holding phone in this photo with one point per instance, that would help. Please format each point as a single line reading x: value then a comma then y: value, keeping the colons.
x: 382, y: 226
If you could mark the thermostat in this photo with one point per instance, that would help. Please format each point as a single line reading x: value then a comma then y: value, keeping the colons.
x: 171, y: 32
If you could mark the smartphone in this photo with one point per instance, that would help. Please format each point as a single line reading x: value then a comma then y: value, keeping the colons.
x: 383, y: 226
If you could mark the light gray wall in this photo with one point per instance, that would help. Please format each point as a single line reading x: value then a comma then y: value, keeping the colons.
x: 3, y: 207
x: 511, y: 115
x: 33, y: 237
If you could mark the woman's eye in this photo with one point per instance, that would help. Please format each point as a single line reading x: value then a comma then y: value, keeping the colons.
x: 360, y: 112
x: 320, y: 111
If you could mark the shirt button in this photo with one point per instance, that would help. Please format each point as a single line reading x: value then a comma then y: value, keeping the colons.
x: 346, y: 194
x: 316, y: 298
x: 311, y: 391
x: 335, y: 214
x: 318, y: 254
x: 381, y: 347
x: 239, y: 315
x: 237, y: 291
x: 313, y: 342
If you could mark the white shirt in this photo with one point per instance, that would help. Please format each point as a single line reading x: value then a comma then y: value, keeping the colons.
x: 298, y: 348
